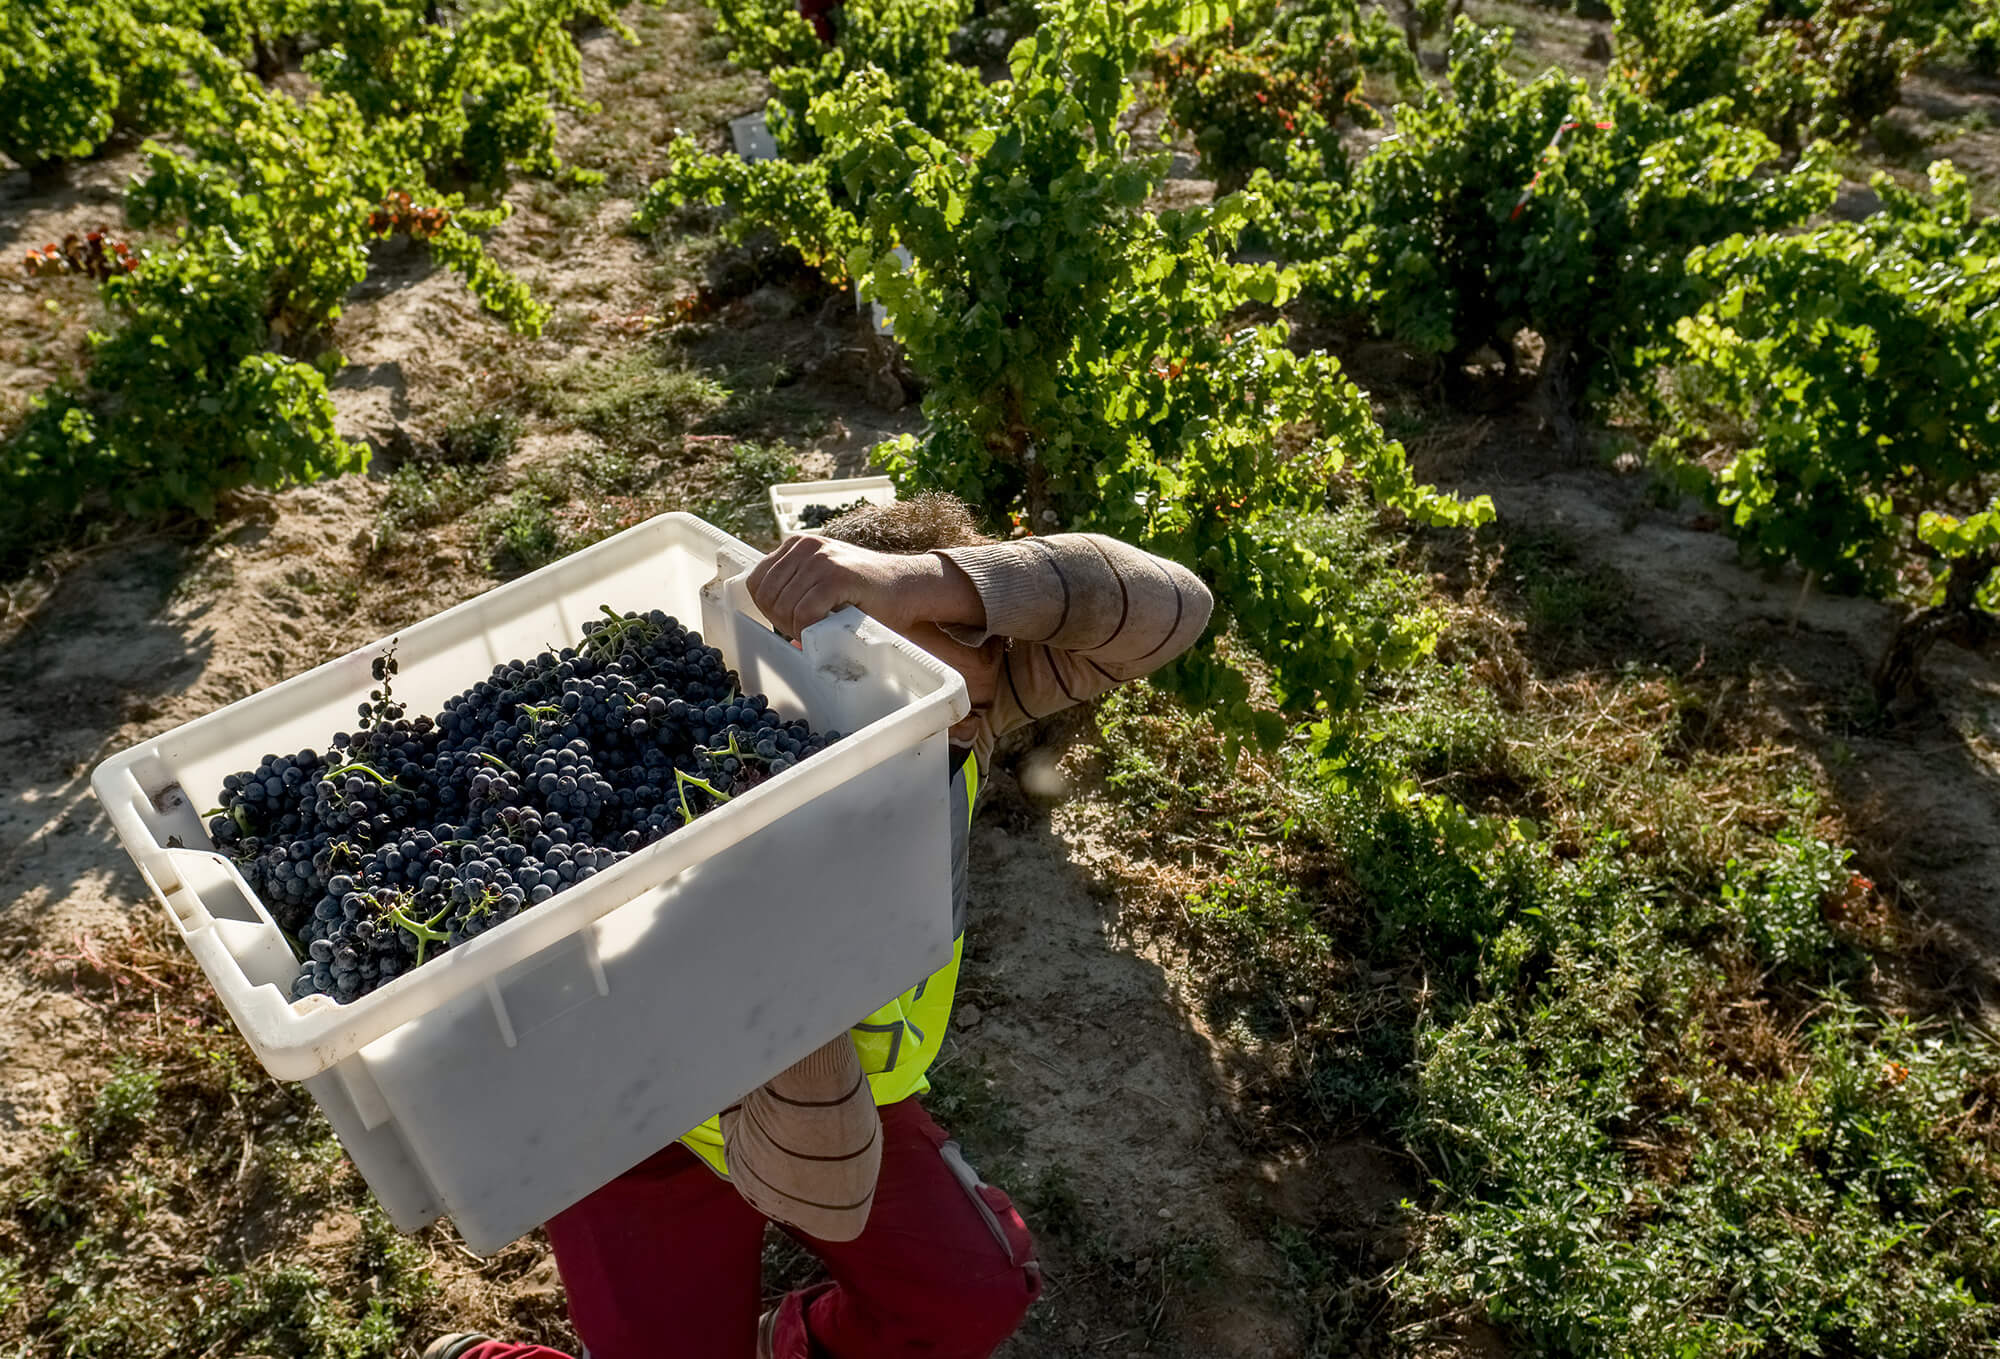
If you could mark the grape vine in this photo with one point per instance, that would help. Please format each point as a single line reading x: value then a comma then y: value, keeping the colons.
x: 215, y: 376
x: 1503, y: 205
x: 1861, y: 359
x: 1085, y: 363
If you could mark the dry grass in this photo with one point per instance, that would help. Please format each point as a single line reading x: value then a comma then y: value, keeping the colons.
x: 190, y: 1198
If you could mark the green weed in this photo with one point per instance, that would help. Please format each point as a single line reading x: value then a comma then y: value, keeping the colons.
x: 1780, y: 902
x: 963, y: 1098
x: 125, y: 1102
x: 561, y: 506
x: 639, y: 402
x: 522, y: 534
x: 423, y: 495
x: 476, y: 437
x: 1573, y: 611
x: 743, y: 505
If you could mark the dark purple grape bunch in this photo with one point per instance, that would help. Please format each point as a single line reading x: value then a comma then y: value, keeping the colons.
x: 381, y: 717
x: 414, y: 836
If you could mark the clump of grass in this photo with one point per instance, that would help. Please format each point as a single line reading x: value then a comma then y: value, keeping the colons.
x: 477, y: 437
x: 125, y: 1102
x: 423, y: 495
x: 964, y: 1098
x: 572, y: 203
x: 641, y: 402
x: 1575, y: 612
x: 742, y: 505
x: 561, y: 506
x: 522, y: 534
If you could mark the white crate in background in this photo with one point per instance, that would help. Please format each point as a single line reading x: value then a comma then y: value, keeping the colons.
x: 878, y: 315
x: 503, y: 1081
x: 789, y: 498
x: 752, y: 137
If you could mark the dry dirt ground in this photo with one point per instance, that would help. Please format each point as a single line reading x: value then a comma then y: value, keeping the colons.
x: 1091, y: 1087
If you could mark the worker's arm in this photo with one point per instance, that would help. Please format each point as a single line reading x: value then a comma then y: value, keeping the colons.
x: 804, y: 1148
x: 1083, y: 613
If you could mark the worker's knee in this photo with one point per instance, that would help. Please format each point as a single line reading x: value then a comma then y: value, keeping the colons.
x: 985, y: 1310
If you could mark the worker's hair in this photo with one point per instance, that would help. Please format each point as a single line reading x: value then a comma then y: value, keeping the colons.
x: 926, y: 521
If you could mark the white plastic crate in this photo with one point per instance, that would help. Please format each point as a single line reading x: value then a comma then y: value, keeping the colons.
x: 504, y: 1080
x: 752, y: 137
x: 878, y: 315
x: 789, y: 498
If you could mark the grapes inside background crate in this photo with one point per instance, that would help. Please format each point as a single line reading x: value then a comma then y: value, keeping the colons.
x: 793, y: 501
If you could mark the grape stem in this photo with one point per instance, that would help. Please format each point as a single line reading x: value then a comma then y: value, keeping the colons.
x: 615, y: 635
x: 681, y: 781
x: 733, y: 749
x: 236, y: 814
x: 425, y: 932
x: 357, y: 767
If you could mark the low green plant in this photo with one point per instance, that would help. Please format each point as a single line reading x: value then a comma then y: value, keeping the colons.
x: 1836, y: 399
x: 479, y: 436
x: 560, y: 506
x: 1502, y: 205
x: 125, y: 1102
x: 1796, y: 69
x: 909, y: 41
x: 1277, y: 74
x: 423, y: 495
x: 1613, y: 1179
x: 641, y: 403
x: 1779, y: 903
x: 744, y: 505
x: 521, y: 533
x: 10, y: 1285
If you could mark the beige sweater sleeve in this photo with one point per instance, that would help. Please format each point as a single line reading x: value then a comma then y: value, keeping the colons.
x: 1085, y: 613
x: 804, y: 1148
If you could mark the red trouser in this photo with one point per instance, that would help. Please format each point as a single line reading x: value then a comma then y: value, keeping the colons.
x: 665, y: 1262
x: 819, y: 13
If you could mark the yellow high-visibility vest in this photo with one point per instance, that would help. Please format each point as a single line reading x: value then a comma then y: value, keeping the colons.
x: 899, y: 1041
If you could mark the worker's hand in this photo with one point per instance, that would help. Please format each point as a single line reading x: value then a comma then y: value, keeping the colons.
x: 809, y: 577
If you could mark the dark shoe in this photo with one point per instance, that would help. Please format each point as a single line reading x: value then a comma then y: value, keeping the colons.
x: 453, y: 1345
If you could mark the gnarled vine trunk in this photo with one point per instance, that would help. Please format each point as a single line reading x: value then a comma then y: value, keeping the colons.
x: 1959, y: 619
x: 1559, y: 393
